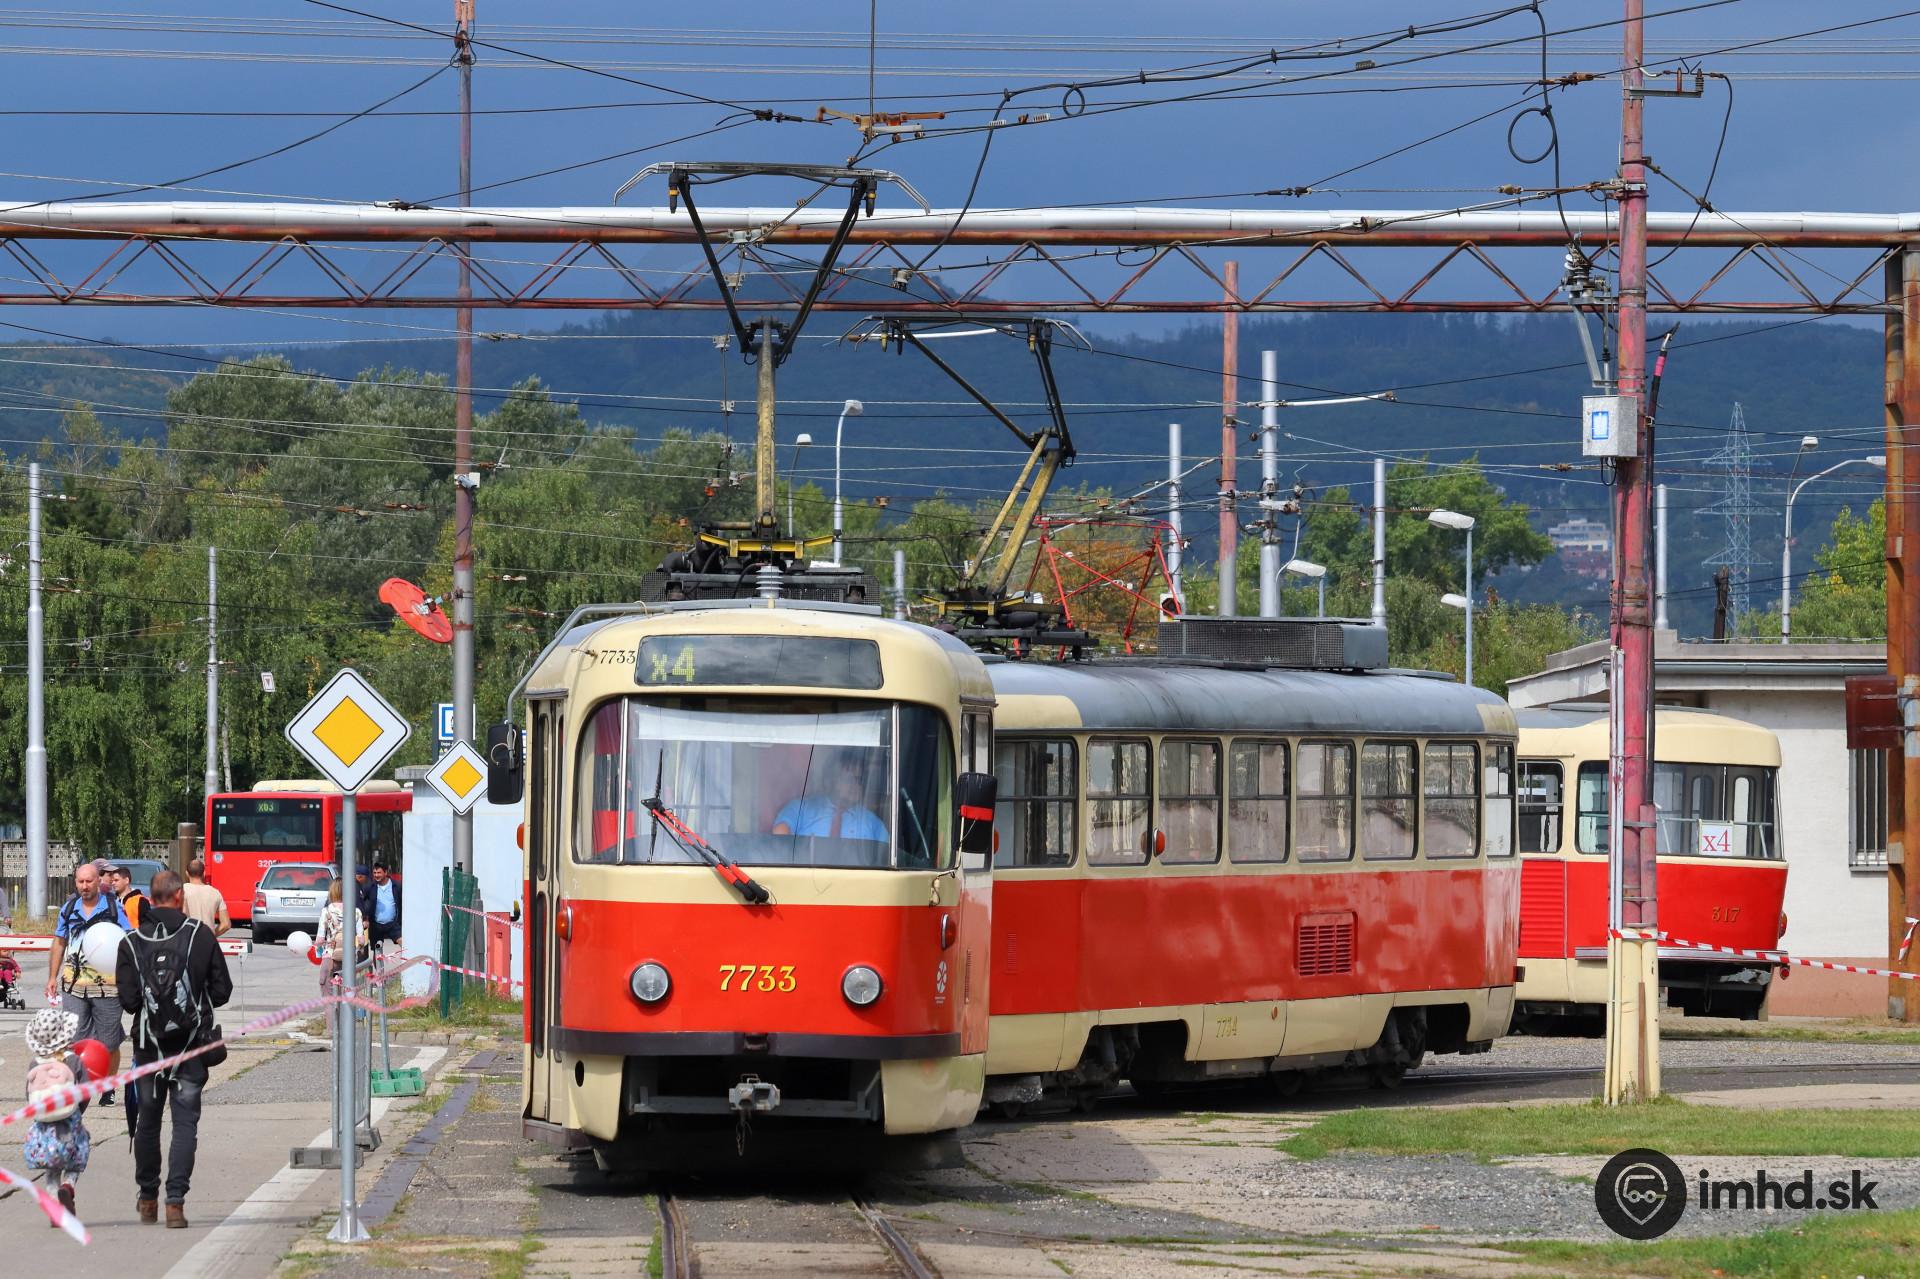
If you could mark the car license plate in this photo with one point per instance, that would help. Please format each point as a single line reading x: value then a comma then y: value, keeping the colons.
x: 302, y: 900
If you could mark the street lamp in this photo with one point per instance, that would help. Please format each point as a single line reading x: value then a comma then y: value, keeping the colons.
x: 1461, y: 524
x: 1786, y: 549
x: 1307, y: 568
x: 855, y: 409
x: 800, y: 441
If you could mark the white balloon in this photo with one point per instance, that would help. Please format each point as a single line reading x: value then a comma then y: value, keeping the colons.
x: 100, y: 947
x: 299, y: 942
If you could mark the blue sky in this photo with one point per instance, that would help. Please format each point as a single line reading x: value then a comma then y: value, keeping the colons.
x: 1817, y: 123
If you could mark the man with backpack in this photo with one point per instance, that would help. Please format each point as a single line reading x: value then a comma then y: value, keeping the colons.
x: 80, y: 987
x: 171, y: 977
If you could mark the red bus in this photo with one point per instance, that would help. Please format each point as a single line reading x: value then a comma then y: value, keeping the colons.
x: 294, y: 821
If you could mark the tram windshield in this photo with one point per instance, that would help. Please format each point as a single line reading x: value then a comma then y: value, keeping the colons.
x: 1703, y: 810
x: 767, y: 782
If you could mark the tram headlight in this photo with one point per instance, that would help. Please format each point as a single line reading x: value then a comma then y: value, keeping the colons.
x: 650, y: 983
x: 861, y: 985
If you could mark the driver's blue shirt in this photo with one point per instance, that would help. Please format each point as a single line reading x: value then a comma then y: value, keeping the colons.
x: 814, y: 815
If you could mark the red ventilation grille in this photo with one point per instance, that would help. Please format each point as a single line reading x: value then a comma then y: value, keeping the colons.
x: 1543, y: 908
x: 1010, y: 952
x: 1325, y: 944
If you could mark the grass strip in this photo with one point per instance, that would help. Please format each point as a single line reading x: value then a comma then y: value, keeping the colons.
x: 1867, y: 1243
x: 1595, y: 1129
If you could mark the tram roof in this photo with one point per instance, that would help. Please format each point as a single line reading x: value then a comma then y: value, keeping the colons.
x: 1163, y: 696
x: 1682, y: 734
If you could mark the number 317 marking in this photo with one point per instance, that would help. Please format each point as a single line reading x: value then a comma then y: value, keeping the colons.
x: 765, y: 977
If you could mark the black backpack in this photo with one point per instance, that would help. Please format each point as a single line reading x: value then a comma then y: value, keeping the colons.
x: 173, y: 1010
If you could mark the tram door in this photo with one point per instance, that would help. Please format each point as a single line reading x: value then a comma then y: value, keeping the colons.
x: 545, y: 839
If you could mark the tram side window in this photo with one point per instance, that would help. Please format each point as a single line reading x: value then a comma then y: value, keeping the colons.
x: 1500, y: 808
x: 1590, y: 828
x: 1541, y: 803
x: 1450, y: 812
x: 1190, y: 800
x: 1119, y: 801
x: 1386, y: 799
x: 976, y: 743
x: 1323, y: 803
x: 1039, y: 797
x: 1257, y: 802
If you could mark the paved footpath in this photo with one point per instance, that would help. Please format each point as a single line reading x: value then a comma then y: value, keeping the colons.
x: 247, y: 1207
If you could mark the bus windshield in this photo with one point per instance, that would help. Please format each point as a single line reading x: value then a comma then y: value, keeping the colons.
x: 767, y: 782
x: 265, y: 825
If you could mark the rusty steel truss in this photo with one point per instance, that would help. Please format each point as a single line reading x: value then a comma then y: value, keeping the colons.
x: 984, y: 261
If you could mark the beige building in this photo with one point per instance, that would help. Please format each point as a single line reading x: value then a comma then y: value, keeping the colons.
x: 1833, y: 815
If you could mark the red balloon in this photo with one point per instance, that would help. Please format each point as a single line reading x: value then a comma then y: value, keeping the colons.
x: 94, y: 1056
x: 313, y: 954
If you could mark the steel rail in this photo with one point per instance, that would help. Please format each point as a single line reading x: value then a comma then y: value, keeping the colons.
x: 676, y: 1245
x: 903, y: 1252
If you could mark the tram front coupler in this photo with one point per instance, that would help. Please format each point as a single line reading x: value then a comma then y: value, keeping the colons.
x: 753, y: 1094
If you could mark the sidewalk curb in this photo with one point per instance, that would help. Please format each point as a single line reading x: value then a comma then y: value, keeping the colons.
x: 378, y: 1203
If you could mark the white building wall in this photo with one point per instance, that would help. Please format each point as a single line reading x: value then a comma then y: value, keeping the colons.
x: 427, y: 834
x: 1831, y: 910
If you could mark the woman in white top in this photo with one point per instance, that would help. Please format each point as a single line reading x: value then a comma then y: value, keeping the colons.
x: 327, y: 944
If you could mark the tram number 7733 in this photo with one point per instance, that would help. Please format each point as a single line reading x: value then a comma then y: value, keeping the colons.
x: 768, y: 978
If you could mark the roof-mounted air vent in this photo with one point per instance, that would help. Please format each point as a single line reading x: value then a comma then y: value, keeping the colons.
x: 1297, y: 643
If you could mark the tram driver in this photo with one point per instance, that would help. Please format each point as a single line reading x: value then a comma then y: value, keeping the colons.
x: 842, y: 811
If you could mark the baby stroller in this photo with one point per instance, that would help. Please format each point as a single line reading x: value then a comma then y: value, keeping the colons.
x: 11, y: 996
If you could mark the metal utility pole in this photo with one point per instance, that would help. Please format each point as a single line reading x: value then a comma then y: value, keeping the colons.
x: 346, y: 1079
x: 212, y: 779
x: 36, y: 762
x: 1380, y: 541
x: 1269, y: 482
x: 1229, y: 438
x: 1903, y: 607
x: 1177, y: 541
x: 1660, y: 559
x: 1633, y: 1004
x: 464, y: 486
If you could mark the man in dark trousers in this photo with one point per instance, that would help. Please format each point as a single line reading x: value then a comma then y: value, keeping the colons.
x: 171, y: 977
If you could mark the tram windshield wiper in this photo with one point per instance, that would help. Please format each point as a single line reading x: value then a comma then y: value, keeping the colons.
x: 699, y: 849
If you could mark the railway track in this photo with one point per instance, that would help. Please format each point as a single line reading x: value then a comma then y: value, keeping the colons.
x: 679, y: 1248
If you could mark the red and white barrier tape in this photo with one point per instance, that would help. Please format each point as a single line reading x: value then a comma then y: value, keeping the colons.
x: 56, y: 1211
x: 489, y: 916
x: 1766, y: 956
x: 495, y: 978
x: 1906, y: 938
x: 25, y: 943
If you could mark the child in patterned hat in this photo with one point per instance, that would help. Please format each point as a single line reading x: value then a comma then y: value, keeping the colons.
x: 58, y: 1143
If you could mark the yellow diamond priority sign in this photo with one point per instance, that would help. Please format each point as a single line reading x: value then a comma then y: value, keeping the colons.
x: 460, y: 776
x: 348, y: 730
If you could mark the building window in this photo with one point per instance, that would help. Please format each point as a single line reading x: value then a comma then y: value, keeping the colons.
x: 1190, y: 800
x: 1119, y: 798
x: 1867, y: 842
x: 1034, y: 815
x: 1450, y: 813
x: 1257, y: 802
x: 1541, y: 783
x: 1387, y: 799
x: 1324, y: 804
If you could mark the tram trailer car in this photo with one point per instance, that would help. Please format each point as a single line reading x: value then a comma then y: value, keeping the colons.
x: 819, y: 750
x: 1723, y: 873
x: 1215, y: 869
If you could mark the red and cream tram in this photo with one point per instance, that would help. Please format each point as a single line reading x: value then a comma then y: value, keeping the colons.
x: 1722, y: 870
x: 1212, y: 869
x: 757, y: 877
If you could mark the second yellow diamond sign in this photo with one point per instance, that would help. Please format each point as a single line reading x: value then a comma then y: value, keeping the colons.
x: 461, y: 776
x: 348, y: 731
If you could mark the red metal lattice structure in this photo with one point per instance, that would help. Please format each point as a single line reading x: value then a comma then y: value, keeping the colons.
x: 1076, y: 579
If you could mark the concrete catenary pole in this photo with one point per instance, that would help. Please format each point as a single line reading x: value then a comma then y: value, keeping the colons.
x: 1176, y: 537
x: 463, y: 491
x: 1660, y: 559
x: 900, y: 585
x: 212, y: 778
x: 1903, y: 608
x: 36, y: 761
x: 1380, y: 541
x: 1269, y: 482
x: 1229, y: 441
x: 1633, y: 1005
